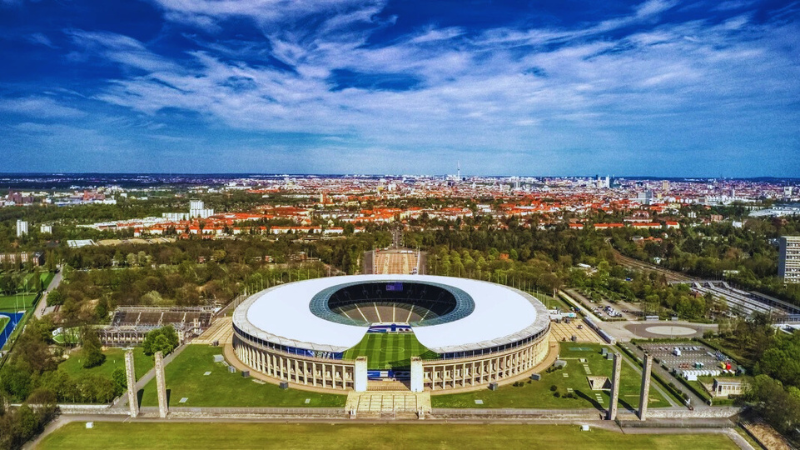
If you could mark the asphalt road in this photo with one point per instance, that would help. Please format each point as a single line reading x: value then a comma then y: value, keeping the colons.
x: 39, y: 312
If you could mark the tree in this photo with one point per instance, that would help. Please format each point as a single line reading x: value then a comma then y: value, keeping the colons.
x: 163, y: 339
x: 92, y: 353
x: 120, y: 381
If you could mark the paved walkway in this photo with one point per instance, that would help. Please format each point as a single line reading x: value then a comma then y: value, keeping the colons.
x: 561, y: 332
x: 220, y: 331
x: 42, y: 306
x: 376, y: 403
x: 654, y: 384
x: 695, y: 401
x: 142, y: 382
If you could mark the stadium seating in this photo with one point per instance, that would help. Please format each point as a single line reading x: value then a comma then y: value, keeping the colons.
x: 384, y: 303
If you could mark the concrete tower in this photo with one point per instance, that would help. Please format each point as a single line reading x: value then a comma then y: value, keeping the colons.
x: 360, y: 375
x: 644, y: 396
x: 612, y: 408
x: 417, y: 375
x: 161, y: 386
x: 130, y: 375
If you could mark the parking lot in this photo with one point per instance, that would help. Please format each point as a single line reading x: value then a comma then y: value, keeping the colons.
x: 691, y: 356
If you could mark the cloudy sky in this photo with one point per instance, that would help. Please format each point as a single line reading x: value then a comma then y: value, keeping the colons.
x: 562, y: 87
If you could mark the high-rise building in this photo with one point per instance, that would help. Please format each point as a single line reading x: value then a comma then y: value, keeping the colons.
x: 46, y: 228
x: 787, y: 191
x: 198, y: 209
x: 665, y: 185
x: 22, y: 228
x: 789, y: 259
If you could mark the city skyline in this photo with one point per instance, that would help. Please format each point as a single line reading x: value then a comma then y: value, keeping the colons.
x: 654, y: 88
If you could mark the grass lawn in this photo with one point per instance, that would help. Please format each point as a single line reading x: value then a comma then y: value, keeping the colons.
x: 71, y: 334
x: 3, y: 322
x: 186, y: 379
x: 14, y: 303
x: 138, y: 435
x: 537, y: 394
x: 389, y: 350
x: 115, y: 358
x: 551, y: 302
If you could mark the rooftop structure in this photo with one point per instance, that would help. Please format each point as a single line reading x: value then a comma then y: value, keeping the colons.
x: 462, y: 321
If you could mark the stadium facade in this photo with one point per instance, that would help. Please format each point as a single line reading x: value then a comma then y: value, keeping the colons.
x: 480, y: 332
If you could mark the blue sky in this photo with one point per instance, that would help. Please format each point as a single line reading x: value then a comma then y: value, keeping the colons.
x: 660, y: 87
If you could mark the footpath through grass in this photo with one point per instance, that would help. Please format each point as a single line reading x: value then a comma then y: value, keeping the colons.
x: 186, y: 378
x: 572, y: 379
x: 389, y: 350
x: 115, y: 358
x: 138, y: 435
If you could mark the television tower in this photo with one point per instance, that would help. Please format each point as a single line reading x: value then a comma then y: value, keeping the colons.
x: 458, y: 172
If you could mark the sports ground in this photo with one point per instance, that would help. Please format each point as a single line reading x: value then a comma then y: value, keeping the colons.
x: 177, y: 435
x: 389, y: 350
x: 15, y: 303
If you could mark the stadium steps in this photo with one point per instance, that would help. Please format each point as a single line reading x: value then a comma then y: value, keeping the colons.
x: 221, y: 330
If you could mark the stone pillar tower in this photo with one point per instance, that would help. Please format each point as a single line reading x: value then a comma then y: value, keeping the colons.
x: 130, y: 376
x: 161, y: 386
x: 615, y: 373
x: 417, y: 375
x: 360, y: 375
x: 644, y: 396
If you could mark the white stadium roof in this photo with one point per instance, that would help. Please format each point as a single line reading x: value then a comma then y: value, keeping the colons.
x: 282, y: 315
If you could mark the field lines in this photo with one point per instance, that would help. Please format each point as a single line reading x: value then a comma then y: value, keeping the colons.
x: 15, y: 303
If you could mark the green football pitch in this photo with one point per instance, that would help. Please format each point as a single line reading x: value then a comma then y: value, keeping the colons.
x: 389, y: 350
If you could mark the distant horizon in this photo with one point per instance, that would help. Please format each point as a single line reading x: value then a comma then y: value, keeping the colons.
x: 275, y: 174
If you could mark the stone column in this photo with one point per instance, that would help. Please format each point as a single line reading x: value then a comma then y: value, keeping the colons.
x: 161, y: 386
x: 360, y: 374
x: 417, y: 375
x: 644, y: 396
x: 615, y: 372
x: 130, y: 375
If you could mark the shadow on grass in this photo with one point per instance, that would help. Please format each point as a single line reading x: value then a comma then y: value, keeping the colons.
x: 591, y: 400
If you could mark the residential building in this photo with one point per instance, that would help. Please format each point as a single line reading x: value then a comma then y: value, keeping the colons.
x: 789, y: 259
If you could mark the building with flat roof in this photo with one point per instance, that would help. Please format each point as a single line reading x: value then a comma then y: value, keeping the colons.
x: 22, y: 228
x: 789, y: 259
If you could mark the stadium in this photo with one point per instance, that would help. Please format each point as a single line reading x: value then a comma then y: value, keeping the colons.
x: 418, y: 332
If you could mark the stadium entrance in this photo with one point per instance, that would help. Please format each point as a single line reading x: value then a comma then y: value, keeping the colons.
x: 389, y: 348
x: 390, y: 309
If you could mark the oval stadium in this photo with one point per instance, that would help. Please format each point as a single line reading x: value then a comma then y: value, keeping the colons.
x: 427, y: 333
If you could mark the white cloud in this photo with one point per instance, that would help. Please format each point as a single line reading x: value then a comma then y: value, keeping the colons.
x: 39, y: 107
x: 502, y: 89
x: 40, y: 39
